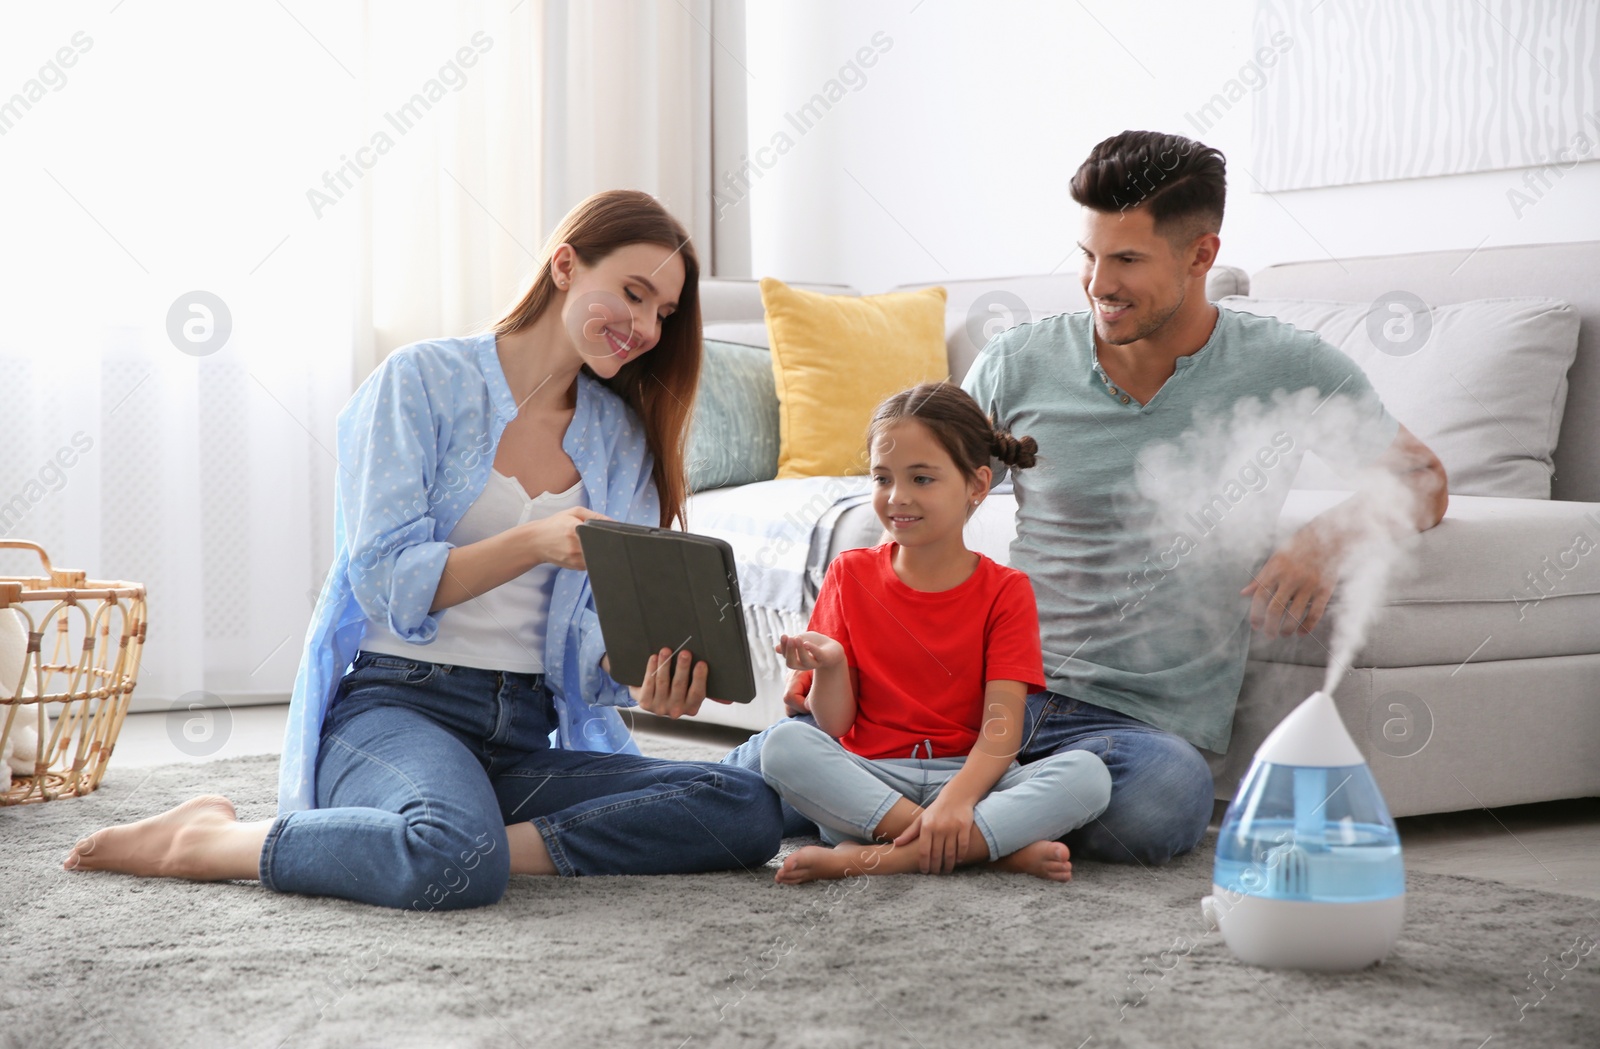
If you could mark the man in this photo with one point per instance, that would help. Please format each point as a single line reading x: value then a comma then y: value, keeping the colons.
x: 1145, y: 627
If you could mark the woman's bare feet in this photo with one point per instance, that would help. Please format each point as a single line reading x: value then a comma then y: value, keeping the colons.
x: 200, y: 839
x: 1043, y: 859
x: 845, y: 860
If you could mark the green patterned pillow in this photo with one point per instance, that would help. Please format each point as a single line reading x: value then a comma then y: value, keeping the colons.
x: 733, y: 434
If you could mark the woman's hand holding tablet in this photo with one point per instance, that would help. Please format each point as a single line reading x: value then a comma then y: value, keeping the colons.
x: 670, y: 689
x: 554, y: 539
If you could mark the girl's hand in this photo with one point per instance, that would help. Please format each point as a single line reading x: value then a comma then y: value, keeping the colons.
x: 554, y: 539
x: 943, y: 830
x: 809, y: 651
x: 796, y: 696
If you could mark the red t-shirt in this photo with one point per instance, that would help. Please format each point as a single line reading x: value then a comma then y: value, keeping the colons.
x: 923, y: 658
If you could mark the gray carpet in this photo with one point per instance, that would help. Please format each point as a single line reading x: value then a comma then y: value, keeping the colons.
x: 974, y: 959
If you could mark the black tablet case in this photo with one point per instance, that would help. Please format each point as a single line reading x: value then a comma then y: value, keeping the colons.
x: 658, y: 588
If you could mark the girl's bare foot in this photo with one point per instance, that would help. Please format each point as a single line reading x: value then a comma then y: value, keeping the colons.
x: 1042, y: 859
x: 200, y: 839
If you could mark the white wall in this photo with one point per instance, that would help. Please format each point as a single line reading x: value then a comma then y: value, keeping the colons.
x: 952, y: 158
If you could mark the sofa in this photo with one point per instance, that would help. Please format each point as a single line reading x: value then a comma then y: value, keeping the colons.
x: 1479, y: 682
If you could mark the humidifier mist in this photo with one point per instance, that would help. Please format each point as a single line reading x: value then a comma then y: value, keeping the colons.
x: 1308, y: 872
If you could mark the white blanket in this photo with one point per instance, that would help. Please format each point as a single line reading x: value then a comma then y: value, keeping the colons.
x: 780, y: 532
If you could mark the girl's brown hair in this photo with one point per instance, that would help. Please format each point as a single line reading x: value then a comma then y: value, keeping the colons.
x: 959, y: 425
x: 660, y: 385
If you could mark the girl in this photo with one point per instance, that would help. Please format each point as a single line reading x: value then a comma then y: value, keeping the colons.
x: 424, y: 775
x: 923, y: 652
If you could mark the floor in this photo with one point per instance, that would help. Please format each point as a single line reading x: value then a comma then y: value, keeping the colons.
x: 1553, y: 846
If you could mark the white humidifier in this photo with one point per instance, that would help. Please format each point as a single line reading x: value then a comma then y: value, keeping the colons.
x: 1308, y: 872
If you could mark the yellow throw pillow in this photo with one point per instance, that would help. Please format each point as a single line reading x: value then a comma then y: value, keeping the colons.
x: 834, y: 360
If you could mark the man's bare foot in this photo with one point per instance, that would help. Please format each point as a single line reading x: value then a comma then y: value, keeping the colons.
x: 200, y: 839
x: 817, y: 862
x: 1043, y: 859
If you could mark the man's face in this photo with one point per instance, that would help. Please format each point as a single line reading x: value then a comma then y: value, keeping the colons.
x: 1134, y: 279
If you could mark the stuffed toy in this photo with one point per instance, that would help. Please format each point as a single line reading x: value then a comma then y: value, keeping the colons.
x: 22, y: 743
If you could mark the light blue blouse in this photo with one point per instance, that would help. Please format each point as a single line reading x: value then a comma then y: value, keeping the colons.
x: 416, y: 442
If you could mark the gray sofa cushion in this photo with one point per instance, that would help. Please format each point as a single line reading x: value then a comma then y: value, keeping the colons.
x: 1483, y: 383
x: 1444, y: 737
x: 1496, y: 579
x: 733, y: 434
x: 1558, y: 271
x: 745, y: 333
x: 731, y: 310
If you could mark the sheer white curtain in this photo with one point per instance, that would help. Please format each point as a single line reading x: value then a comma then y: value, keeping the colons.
x: 160, y: 171
x: 563, y: 99
x: 219, y: 217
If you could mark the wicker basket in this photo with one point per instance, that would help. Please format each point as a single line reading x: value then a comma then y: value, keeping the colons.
x: 78, y: 697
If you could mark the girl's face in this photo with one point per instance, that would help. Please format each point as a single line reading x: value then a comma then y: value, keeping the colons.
x: 918, y: 492
x: 613, y: 310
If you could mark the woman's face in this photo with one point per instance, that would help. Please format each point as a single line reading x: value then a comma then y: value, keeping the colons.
x: 613, y: 310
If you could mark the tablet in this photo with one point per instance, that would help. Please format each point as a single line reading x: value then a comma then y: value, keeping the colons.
x: 658, y: 588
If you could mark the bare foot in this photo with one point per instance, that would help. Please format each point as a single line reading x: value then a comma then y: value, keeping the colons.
x: 1042, y: 859
x: 200, y: 839
x: 816, y: 862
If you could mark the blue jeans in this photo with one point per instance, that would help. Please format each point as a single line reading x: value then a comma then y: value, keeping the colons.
x: 1161, y: 788
x: 848, y: 795
x: 422, y: 765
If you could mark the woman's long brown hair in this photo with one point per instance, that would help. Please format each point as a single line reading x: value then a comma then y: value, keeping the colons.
x: 660, y: 385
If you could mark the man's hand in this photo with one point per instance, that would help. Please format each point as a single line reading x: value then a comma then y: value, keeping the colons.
x: 1421, y: 471
x: 809, y: 650
x: 943, y: 830
x: 1291, y: 591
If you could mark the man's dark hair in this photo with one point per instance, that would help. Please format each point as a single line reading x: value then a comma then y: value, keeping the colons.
x: 1182, y: 182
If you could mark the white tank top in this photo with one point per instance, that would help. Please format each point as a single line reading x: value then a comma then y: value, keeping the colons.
x: 503, y: 629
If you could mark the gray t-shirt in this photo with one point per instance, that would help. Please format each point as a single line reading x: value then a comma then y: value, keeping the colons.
x: 1139, y: 524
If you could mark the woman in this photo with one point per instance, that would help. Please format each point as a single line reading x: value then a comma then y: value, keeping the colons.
x: 425, y: 775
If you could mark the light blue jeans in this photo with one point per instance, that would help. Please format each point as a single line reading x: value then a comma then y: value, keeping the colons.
x: 1161, y: 787
x: 847, y: 795
x: 423, y: 765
